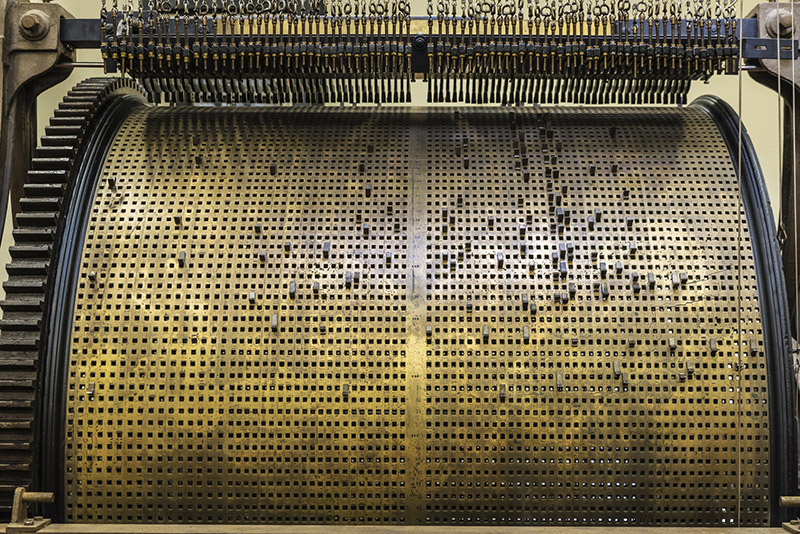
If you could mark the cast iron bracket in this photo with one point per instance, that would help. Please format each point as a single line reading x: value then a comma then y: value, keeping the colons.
x: 32, y: 51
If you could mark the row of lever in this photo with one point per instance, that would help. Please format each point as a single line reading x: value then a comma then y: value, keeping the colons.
x: 354, y: 51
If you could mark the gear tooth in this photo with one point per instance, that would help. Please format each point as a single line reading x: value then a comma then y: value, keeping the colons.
x: 34, y: 235
x: 29, y: 275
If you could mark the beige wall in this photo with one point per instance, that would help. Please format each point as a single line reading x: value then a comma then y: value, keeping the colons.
x: 759, y: 106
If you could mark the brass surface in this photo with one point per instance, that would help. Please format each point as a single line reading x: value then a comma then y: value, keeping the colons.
x: 212, y: 380
x: 790, y: 501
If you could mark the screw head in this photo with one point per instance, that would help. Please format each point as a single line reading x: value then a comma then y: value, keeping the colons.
x: 34, y: 25
x: 420, y: 42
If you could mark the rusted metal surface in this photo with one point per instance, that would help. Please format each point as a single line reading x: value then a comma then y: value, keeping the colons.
x: 406, y: 316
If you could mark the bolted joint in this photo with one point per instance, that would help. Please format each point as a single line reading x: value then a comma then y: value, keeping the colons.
x: 34, y: 25
x: 779, y: 23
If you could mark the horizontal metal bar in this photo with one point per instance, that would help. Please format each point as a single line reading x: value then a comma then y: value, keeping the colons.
x: 81, y: 33
x: 80, y: 65
x: 85, y: 33
x: 755, y: 48
x: 376, y: 529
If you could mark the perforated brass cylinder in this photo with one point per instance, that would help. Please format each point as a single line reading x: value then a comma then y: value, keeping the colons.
x: 410, y: 316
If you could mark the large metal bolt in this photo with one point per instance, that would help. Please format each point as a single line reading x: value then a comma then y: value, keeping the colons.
x: 34, y: 25
x: 779, y: 23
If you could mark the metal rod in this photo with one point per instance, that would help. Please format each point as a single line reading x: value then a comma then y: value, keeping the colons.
x: 80, y: 65
x: 790, y: 501
x: 37, y: 496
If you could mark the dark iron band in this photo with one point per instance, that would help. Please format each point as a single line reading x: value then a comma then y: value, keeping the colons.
x: 774, y: 311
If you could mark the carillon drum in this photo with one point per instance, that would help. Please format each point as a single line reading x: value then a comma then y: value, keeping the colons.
x: 409, y: 316
x: 328, y: 264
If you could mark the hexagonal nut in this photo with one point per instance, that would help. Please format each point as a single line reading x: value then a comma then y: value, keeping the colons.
x: 34, y: 25
x: 779, y: 22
